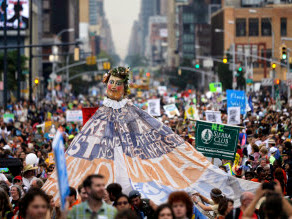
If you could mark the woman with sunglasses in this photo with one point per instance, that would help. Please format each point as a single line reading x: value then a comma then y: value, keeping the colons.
x: 122, y: 202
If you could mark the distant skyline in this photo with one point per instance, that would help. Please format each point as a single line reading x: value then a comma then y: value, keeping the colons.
x: 121, y: 15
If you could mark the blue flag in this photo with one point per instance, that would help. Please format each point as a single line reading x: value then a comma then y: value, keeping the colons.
x: 250, y: 103
x: 58, y: 147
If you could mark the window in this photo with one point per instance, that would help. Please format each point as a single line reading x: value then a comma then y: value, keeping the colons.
x: 283, y: 26
x: 46, y: 23
x: 240, y: 27
x: 266, y: 27
x: 188, y: 38
x: 253, y: 26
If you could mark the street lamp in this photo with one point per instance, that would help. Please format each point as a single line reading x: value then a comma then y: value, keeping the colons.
x: 55, y: 52
x: 231, y: 38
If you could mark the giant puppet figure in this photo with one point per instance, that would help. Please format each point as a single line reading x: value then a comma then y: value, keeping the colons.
x: 130, y: 147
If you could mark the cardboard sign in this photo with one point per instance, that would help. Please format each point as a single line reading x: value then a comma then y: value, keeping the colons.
x: 74, y: 116
x: 171, y: 110
x: 154, y: 107
x: 233, y: 115
x: 213, y: 116
x: 236, y: 98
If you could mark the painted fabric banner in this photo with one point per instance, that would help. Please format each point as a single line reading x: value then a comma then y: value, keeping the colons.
x: 130, y: 147
x: 217, y: 140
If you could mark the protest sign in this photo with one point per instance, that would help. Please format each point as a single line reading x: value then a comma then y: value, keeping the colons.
x: 217, y: 140
x: 162, y: 90
x: 74, y: 116
x: 213, y: 116
x: 233, y: 115
x: 87, y: 113
x: 171, y: 110
x: 154, y: 107
x: 8, y: 117
x: 191, y: 112
x: 215, y: 87
x: 60, y: 161
x: 236, y: 98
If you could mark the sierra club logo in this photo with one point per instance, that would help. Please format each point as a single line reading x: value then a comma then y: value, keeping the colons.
x: 207, y: 136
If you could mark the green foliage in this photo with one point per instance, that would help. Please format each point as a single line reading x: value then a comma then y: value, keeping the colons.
x: 12, y: 68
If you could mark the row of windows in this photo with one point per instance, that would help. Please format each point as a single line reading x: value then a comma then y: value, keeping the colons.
x: 253, y: 27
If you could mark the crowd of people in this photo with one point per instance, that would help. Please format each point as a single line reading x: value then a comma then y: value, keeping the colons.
x: 263, y: 155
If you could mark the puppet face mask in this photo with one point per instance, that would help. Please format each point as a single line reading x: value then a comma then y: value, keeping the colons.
x: 115, y: 88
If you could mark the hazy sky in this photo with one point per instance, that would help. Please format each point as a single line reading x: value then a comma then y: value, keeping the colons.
x: 121, y: 15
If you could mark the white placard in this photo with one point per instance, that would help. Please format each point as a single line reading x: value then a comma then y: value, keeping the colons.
x: 74, y: 116
x: 154, y: 107
x: 213, y: 116
x: 171, y: 110
x: 233, y: 115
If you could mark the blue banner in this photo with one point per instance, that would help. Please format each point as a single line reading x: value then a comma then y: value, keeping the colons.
x: 58, y: 147
x: 236, y: 98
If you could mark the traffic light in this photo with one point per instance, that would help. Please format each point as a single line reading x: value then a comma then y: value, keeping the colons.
x: 36, y: 81
x: 91, y: 60
x: 277, y: 81
x: 274, y: 66
x: 148, y: 74
x: 76, y: 54
x: 225, y: 60
x: 197, y: 64
x: 284, y: 52
x: 240, y: 69
x: 106, y: 65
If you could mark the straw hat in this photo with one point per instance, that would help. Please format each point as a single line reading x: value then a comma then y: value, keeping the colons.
x: 29, y: 167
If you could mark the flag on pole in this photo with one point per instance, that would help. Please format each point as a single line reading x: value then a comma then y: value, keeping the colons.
x: 60, y: 161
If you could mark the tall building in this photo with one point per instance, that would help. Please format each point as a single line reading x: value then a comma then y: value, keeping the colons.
x: 12, y: 38
x: 255, y: 32
x: 135, y: 46
x: 60, y: 25
x: 156, y: 41
x: 148, y: 9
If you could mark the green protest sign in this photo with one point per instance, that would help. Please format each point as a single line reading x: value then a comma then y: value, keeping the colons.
x: 215, y: 87
x: 8, y: 117
x: 217, y: 140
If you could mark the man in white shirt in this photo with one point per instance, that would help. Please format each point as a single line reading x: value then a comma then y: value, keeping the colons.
x: 28, y: 175
x: 4, y: 178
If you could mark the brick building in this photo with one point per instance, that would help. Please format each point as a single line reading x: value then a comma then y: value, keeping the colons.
x: 256, y: 32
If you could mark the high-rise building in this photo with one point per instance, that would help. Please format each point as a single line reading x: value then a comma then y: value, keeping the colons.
x: 156, y: 43
x: 135, y: 47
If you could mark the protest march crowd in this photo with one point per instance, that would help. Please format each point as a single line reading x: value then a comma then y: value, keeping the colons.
x: 263, y: 155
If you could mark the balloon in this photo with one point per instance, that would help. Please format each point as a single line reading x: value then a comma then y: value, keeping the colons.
x: 31, y: 159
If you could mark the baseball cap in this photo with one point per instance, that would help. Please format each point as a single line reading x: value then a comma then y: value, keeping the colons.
x: 134, y: 194
x: 18, y: 177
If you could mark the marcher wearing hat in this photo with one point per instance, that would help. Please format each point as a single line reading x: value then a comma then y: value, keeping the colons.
x: 143, y: 207
x: 272, y: 157
x: 29, y: 175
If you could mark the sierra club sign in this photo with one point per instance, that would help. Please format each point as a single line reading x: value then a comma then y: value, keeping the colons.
x: 217, y: 140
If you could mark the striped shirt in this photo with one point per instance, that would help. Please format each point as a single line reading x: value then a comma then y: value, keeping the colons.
x: 83, y: 211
